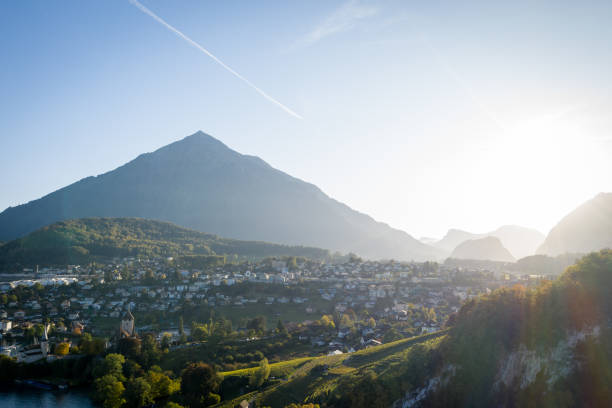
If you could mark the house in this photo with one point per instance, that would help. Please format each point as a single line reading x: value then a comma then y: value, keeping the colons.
x: 6, y: 325
x: 372, y: 343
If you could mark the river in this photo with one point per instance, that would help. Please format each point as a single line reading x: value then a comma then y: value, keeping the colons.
x: 32, y: 398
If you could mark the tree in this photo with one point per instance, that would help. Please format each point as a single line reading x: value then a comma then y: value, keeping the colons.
x: 129, y: 347
x: 391, y: 335
x: 197, y: 381
x: 161, y: 385
x: 29, y: 334
x: 166, y: 340
x: 258, y: 324
x: 126, y: 274
x: 199, y: 332
x: 181, y: 328
x: 38, y: 330
x: 109, y: 391
x: 292, y: 263
x: 111, y: 365
x: 150, y: 353
x: 92, y: 345
x: 345, y: 322
x: 260, y: 375
x: 132, y: 369
x: 171, y: 404
x: 62, y: 349
x: 138, y: 393
x: 327, y: 322
x: 280, y: 327
x: 9, y: 368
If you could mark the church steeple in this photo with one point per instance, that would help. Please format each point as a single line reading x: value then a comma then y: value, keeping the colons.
x: 127, y: 329
x: 44, y: 341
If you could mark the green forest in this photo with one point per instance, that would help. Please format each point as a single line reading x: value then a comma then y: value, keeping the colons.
x: 83, y: 240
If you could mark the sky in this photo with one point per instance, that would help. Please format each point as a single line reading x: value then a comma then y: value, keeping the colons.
x: 424, y: 115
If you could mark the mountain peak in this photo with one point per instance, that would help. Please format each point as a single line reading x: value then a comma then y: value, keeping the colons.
x: 199, y: 135
x: 486, y: 248
x: 199, y: 183
x: 195, y: 148
x: 199, y: 138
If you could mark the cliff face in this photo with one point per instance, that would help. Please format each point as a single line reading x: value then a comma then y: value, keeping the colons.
x: 548, y: 346
x: 518, y: 372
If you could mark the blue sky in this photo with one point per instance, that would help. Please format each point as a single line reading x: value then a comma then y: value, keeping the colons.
x: 425, y: 115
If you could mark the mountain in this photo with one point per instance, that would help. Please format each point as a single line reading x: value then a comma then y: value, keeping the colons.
x: 428, y: 240
x: 545, y: 265
x: 453, y: 238
x: 200, y: 183
x: 520, y: 241
x: 587, y: 228
x: 489, y: 248
x: 87, y: 239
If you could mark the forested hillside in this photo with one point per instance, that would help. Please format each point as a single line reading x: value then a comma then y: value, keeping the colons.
x: 84, y: 240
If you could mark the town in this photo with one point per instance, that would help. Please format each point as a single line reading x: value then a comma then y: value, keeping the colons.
x: 364, y: 303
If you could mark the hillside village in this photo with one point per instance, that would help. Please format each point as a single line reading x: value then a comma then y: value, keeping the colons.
x: 402, y: 299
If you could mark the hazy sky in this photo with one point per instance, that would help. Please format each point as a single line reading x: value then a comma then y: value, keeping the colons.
x: 425, y: 115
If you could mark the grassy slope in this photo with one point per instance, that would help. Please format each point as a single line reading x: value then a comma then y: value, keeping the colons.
x: 311, y: 378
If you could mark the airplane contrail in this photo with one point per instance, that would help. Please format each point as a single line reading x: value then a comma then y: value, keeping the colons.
x: 145, y: 10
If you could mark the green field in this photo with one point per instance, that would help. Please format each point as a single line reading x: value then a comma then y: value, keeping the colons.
x: 313, y: 379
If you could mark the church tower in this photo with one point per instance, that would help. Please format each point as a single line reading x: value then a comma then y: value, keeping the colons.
x: 127, y: 325
x: 44, y: 342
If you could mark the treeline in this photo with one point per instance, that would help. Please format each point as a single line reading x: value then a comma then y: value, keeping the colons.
x: 82, y: 240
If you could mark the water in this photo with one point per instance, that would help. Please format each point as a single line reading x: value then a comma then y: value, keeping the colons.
x: 32, y: 398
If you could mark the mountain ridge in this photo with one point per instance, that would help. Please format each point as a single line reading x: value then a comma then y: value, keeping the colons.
x: 200, y: 183
x: 586, y: 228
x: 520, y: 241
x: 487, y: 248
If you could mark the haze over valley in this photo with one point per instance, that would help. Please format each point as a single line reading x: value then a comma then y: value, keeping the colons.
x: 217, y: 204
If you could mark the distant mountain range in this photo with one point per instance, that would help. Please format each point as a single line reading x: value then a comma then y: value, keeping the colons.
x: 489, y: 248
x: 199, y: 183
x: 520, y: 241
x: 587, y: 228
x: 91, y: 239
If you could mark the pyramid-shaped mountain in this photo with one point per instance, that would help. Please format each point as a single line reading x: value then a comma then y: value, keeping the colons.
x: 200, y: 183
